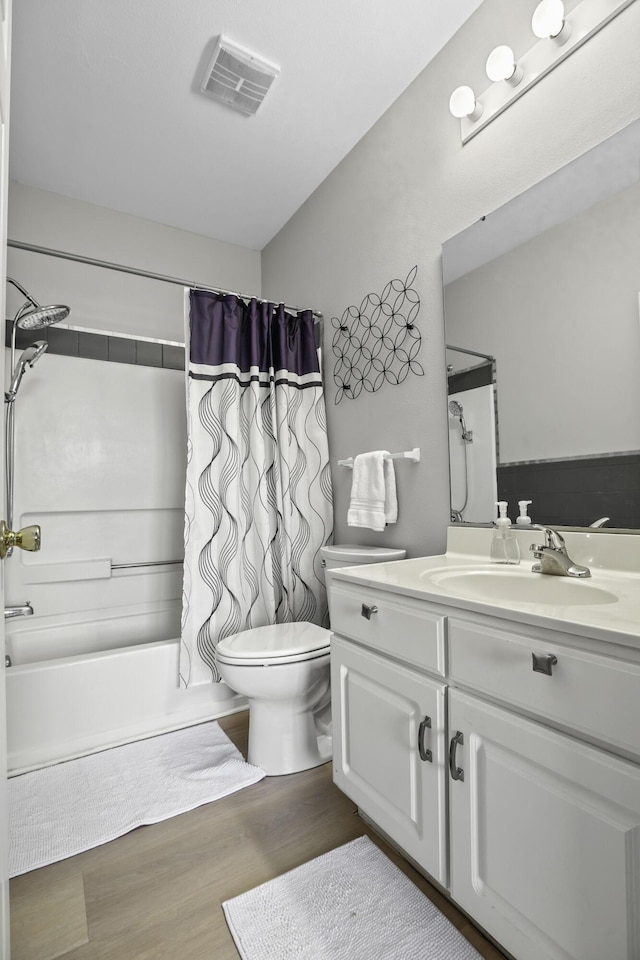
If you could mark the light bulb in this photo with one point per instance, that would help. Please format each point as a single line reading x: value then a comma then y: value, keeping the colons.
x: 501, y: 65
x: 463, y: 103
x: 548, y: 21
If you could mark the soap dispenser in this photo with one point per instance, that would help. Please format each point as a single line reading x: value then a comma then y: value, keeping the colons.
x: 504, y: 546
x: 524, y: 519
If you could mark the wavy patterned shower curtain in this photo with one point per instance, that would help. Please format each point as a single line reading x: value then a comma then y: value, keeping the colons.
x: 258, y: 492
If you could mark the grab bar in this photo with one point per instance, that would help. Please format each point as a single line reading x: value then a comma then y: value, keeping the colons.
x: 148, y: 563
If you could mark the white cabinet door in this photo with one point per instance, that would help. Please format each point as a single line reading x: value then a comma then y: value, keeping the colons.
x: 545, y: 837
x: 389, y: 750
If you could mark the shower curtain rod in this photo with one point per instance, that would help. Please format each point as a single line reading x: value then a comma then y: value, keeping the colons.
x: 472, y: 353
x: 106, y: 265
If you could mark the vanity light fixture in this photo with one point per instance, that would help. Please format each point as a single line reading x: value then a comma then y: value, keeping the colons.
x: 548, y: 22
x: 463, y: 103
x: 558, y: 33
x: 501, y: 65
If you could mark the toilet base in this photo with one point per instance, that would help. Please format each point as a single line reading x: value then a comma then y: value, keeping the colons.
x: 289, y: 712
x: 283, y: 740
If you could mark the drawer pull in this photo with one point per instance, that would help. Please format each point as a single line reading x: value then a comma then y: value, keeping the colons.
x: 422, y: 750
x: 544, y: 663
x: 368, y: 610
x: 457, y: 773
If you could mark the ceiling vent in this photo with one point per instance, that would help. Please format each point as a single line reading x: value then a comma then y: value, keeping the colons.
x: 238, y: 77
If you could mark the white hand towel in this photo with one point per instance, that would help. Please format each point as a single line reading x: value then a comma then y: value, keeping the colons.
x: 373, y: 491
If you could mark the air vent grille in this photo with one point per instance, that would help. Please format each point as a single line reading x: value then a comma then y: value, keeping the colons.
x: 237, y: 77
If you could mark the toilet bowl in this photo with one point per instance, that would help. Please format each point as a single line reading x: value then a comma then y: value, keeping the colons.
x: 284, y: 672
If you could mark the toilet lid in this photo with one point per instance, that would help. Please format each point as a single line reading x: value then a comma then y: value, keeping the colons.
x: 285, y: 642
x: 351, y: 553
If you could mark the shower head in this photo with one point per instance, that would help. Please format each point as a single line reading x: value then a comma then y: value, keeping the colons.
x: 32, y: 316
x: 455, y: 408
x: 42, y: 317
x: 27, y: 359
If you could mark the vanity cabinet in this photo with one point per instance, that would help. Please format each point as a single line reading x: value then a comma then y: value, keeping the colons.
x: 545, y: 837
x: 528, y: 808
x: 389, y: 746
x: 389, y: 755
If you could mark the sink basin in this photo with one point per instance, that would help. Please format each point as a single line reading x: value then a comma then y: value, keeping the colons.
x: 518, y: 586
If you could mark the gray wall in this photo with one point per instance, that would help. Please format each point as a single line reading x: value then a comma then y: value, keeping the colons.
x: 407, y: 187
x: 103, y: 299
x: 560, y: 315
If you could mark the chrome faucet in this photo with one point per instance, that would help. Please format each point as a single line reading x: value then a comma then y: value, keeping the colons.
x: 553, y: 556
x: 26, y: 610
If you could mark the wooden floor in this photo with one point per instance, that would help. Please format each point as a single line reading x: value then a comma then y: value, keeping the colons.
x: 155, y: 893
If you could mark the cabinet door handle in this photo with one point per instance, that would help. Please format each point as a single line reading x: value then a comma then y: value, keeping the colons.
x: 368, y: 610
x: 544, y: 663
x: 422, y: 750
x: 457, y: 773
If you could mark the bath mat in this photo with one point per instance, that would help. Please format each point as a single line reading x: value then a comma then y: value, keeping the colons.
x: 350, y: 904
x: 62, y: 810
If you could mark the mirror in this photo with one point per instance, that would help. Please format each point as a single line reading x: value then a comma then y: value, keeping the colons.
x: 542, y: 323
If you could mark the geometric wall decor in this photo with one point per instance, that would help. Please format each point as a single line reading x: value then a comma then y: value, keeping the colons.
x: 377, y: 341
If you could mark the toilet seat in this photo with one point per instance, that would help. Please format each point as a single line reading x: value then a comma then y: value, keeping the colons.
x: 274, y: 644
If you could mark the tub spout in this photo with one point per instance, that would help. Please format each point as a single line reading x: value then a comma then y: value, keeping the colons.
x: 25, y: 610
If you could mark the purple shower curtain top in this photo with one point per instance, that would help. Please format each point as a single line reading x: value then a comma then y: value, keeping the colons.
x: 226, y: 330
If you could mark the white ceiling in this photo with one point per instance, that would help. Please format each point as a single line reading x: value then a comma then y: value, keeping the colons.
x: 105, y: 104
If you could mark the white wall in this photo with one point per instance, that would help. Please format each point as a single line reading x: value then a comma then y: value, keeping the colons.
x: 407, y: 187
x: 103, y: 299
x: 100, y: 465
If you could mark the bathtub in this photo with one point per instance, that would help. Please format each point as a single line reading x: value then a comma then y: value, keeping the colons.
x: 69, y: 706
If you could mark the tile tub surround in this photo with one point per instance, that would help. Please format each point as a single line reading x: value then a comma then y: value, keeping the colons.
x: 576, y: 492
x: 68, y: 342
x: 614, y: 560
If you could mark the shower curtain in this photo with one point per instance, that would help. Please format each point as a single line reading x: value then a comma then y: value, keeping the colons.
x: 258, y: 491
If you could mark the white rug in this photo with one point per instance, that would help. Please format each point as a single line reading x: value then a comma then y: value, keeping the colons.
x: 350, y: 904
x: 62, y: 810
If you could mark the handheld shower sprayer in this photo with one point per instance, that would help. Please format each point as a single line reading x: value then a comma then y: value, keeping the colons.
x: 455, y: 409
x: 28, y: 358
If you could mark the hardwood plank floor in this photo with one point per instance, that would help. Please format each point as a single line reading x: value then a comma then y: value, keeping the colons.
x: 155, y: 893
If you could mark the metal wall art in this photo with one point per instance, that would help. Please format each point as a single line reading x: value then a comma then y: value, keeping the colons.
x: 378, y: 340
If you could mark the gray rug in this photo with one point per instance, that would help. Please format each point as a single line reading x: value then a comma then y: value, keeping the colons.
x: 350, y: 904
x: 65, y: 809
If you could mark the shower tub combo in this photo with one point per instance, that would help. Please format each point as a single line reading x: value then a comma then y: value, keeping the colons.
x: 98, y: 697
x: 93, y: 658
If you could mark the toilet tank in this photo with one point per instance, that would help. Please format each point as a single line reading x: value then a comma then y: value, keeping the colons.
x: 347, y: 555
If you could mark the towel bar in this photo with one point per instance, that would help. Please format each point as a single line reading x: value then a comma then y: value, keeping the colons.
x: 406, y: 455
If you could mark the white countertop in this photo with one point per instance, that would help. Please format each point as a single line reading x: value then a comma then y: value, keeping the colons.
x: 617, y: 620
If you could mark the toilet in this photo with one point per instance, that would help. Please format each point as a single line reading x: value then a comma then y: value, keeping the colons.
x: 283, y: 671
